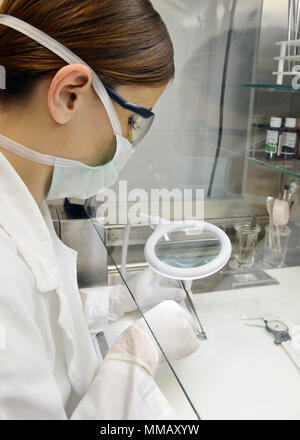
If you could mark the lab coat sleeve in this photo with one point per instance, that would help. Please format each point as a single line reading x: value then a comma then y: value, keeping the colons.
x: 28, y: 388
x: 123, y: 391
x: 105, y: 304
x: 29, y: 391
x: 119, y: 391
x: 137, y: 395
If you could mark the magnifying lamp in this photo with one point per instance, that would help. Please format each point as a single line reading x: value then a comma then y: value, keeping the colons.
x: 188, y: 251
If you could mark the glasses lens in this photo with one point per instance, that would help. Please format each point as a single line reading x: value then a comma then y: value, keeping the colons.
x: 139, y: 128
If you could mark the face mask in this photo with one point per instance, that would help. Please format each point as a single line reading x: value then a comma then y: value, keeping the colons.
x: 72, y: 178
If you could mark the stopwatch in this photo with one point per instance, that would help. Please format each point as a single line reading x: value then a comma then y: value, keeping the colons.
x: 279, y: 330
x: 281, y: 334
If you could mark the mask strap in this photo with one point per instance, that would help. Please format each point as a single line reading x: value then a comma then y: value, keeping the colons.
x: 26, y: 153
x: 69, y: 57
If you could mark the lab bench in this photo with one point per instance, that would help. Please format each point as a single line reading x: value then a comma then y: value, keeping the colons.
x: 238, y: 373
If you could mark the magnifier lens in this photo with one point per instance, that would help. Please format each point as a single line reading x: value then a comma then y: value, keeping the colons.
x: 187, y: 248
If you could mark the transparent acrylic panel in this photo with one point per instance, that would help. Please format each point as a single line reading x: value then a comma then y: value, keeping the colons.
x: 198, y: 140
x: 238, y: 372
x: 166, y: 379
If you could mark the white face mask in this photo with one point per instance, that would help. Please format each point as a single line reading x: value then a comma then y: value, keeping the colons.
x: 72, y: 178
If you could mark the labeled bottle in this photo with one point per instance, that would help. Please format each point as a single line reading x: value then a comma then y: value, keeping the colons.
x: 273, y: 135
x: 288, y: 139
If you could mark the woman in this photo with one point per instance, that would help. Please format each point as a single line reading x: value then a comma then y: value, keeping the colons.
x: 67, y: 126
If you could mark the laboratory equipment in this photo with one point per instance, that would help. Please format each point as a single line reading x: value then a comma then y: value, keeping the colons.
x: 269, y: 206
x: 288, y: 139
x: 289, y: 49
x: 285, y: 192
x: 292, y: 191
x: 188, y: 251
x: 273, y: 138
x: 283, y: 336
x: 276, y: 245
x: 277, y: 328
x: 280, y: 212
x: 247, y: 233
x: 191, y: 308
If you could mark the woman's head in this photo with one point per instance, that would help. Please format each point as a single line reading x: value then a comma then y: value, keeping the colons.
x: 124, y: 41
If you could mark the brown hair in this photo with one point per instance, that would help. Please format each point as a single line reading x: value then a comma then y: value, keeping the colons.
x: 124, y: 41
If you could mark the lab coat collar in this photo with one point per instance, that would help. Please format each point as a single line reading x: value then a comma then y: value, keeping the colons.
x: 22, y: 219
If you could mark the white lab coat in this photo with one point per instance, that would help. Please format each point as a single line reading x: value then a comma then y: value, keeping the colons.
x: 48, y: 364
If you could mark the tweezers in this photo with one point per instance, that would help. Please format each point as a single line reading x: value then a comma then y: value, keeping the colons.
x: 191, y: 308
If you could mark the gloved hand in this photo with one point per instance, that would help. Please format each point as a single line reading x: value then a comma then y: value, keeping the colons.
x: 148, y: 288
x: 174, y: 329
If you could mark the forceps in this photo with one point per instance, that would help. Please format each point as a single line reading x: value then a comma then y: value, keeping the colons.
x: 191, y: 308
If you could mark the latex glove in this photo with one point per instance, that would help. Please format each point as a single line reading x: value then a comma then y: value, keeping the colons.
x: 174, y: 329
x: 148, y: 288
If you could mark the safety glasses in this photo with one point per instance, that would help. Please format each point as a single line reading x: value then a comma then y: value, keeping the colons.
x: 142, y: 120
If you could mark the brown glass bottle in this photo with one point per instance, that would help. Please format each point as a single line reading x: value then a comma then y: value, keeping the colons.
x: 288, y: 139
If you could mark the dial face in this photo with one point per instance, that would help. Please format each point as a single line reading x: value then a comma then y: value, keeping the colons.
x: 277, y: 326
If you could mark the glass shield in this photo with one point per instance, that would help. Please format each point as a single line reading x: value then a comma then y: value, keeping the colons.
x: 210, y: 134
x: 98, y: 269
x: 165, y: 377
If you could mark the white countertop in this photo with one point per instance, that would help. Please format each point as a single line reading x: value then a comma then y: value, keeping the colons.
x: 238, y: 373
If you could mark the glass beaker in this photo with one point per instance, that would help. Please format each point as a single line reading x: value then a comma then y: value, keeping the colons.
x: 247, y: 234
x: 276, y: 245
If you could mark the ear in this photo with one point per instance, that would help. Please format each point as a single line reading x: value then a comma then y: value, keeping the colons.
x: 68, y: 85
